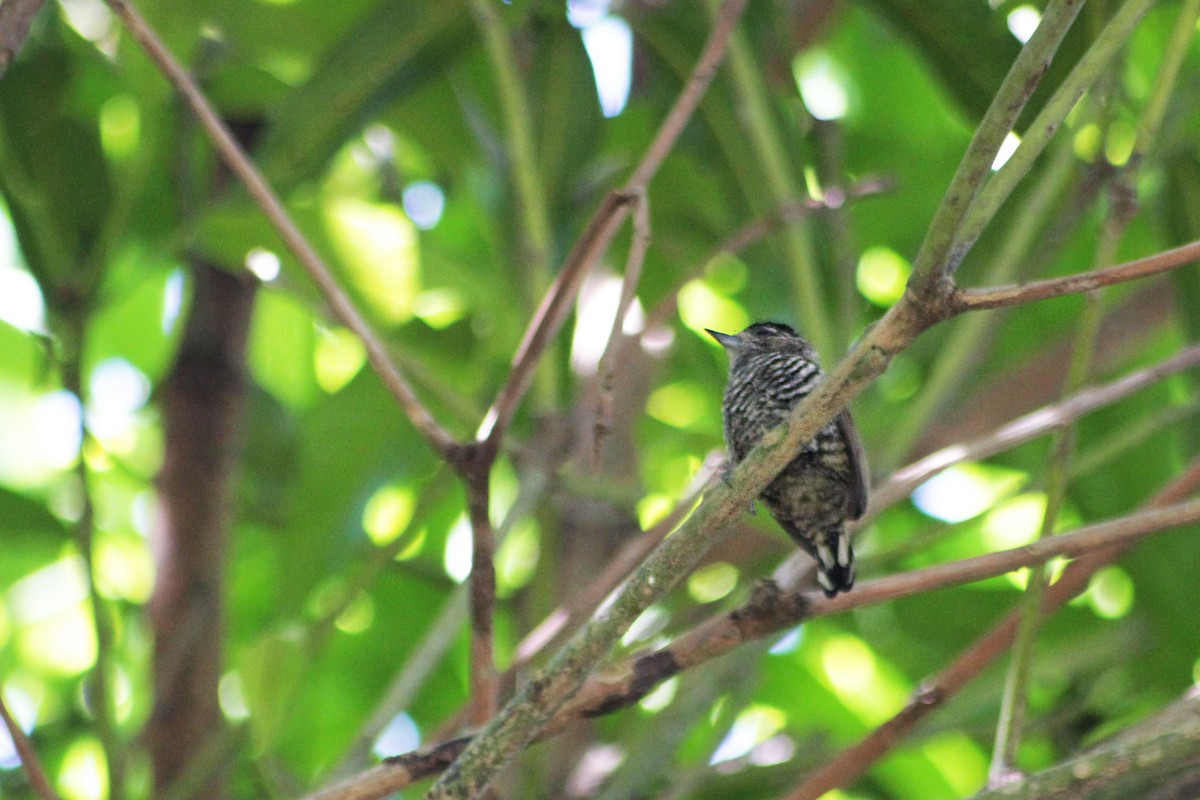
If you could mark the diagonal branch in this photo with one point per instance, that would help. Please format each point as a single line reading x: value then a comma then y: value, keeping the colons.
x: 342, y: 306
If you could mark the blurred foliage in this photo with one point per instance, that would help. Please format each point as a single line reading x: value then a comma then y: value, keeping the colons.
x: 381, y: 124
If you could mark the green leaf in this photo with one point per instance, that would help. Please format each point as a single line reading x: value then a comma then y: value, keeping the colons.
x: 32, y: 536
x: 392, y: 53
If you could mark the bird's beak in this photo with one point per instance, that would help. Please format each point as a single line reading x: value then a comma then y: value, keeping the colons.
x: 726, y: 339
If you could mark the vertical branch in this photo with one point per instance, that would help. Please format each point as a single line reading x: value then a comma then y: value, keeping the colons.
x: 1097, y: 61
x: 514, y: 104
x: 606, y: 367
x: 484, y: 684
x: 99, y: 682
x: 203, y: 402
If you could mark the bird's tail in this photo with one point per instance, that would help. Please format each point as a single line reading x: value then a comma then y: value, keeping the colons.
x: 835, y: 562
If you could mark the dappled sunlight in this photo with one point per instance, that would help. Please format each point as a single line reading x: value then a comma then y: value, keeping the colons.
x: 41, y: 435
x: 378, y: 246
x: 338, y: 356
x: 84, y: 771
x: 882, y: 275
x: 850, y: 668
x: 596, y: 308
x: 712, y: 582
x: 358, y: 615
x: 1023, y: 21
x: 263, y: 264
x: 457, y: 558
x: 964, y: 491
x: 679, y: 405
x: 823, y: 85
x: 400, y: 735
x: 1007, y: 148
x: 1015, y: 522
x: 232, y: 696
x: 1110, y: 593
x: 439, y: 308
x: 959, y: 759
x: 424, y: 202
x: 660, y: 696
x: 609, y: 44
x: 753, y: 726
x: 387, y: 512
x: 701, y: 307
x: 517, y: 557
x: 120, y: 126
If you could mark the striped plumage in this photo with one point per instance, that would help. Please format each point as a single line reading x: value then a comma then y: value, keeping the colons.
x: 771, y: 368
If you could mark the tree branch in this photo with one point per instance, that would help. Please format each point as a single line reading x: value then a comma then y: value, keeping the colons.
x: 963, y: 300
x: 342, y: 306
x: 602, y: 227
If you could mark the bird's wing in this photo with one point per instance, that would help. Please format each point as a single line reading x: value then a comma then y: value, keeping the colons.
x: 860, y: 478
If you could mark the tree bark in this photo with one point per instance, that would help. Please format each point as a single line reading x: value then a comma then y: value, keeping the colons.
x: 203, y: 401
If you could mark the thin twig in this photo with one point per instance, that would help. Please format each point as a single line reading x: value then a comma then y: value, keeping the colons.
x: 602, y: 227
x: 963, y: 300
x: 342, y: 306
x: 514, y: 105
x: 29, y: 759
x: 606, y: 368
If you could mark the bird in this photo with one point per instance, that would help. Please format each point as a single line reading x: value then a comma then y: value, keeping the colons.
x: 771, y: 369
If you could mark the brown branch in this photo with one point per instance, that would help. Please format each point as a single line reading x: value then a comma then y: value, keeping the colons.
x: 203, y: 403
x: 29, y: 759
x: 598, y: 233
x: 484, y: 684
x: 340, y: 304
x: 853, y: 762
x: 962, y: 300
x: 1023, y: 429
x: 16, y: 16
